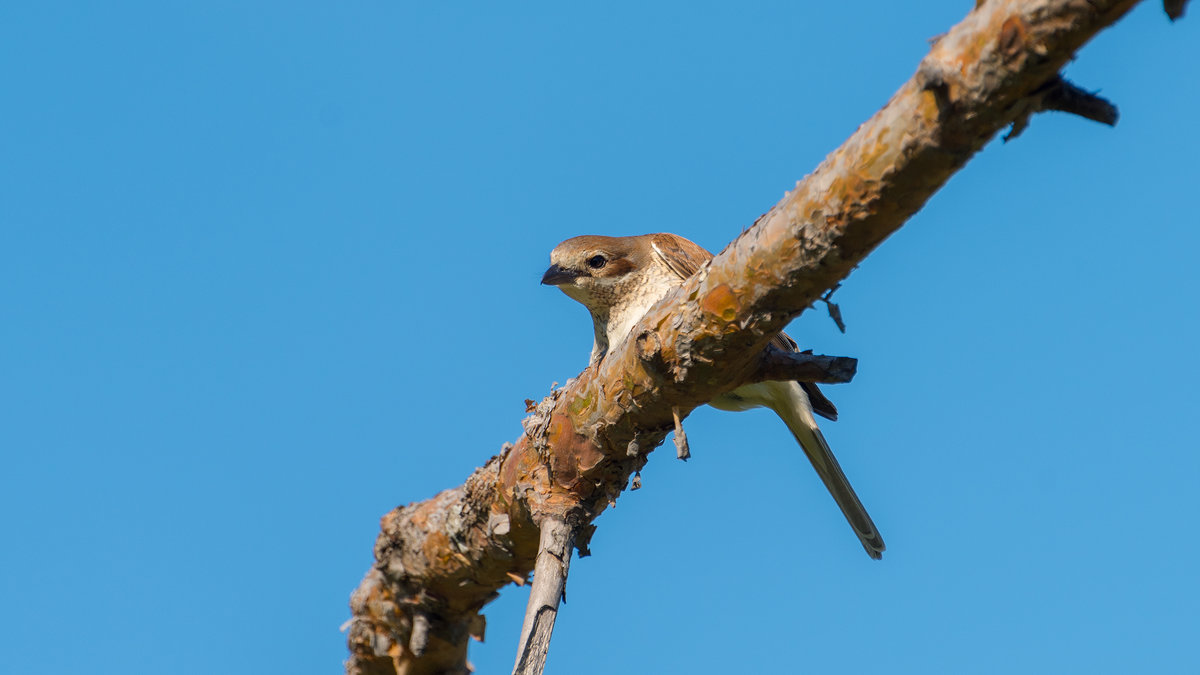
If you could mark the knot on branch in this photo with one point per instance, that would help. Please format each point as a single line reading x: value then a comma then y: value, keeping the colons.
x: 649, y: 350
x: 940, y: 80
x: 1012, y: 40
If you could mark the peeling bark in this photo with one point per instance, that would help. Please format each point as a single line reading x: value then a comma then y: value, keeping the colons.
x: 440, y: 561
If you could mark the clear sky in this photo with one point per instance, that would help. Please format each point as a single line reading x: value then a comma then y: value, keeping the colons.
x: 269, y: 269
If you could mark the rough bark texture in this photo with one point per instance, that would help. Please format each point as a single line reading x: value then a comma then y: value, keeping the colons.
x: 440, y: 561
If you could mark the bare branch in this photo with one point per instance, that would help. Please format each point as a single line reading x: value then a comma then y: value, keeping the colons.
x: 777, y: 364
x: 1066, y: 97
x: 1060, y: 95
x: 1175, y: 8
x: 549, y: 586
x: 445, y: 558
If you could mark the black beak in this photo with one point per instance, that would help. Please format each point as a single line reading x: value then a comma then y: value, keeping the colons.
x: 557, y: 276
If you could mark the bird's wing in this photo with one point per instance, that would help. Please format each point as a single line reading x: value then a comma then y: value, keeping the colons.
x: 681, y: 256
x: 685, y: 258
x: 820, y: 405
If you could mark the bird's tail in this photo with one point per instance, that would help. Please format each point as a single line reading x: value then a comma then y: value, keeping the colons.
x: 792, y: 406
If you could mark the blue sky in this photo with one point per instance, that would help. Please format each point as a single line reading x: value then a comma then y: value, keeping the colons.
x: 268, y: 270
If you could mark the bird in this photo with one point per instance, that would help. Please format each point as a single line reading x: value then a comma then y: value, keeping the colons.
x: 618, y: 279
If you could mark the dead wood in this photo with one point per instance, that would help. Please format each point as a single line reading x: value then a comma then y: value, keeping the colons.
x: 438, y: 562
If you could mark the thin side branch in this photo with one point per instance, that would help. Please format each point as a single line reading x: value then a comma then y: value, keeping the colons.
x: 1175, y: 8
x: 549, y: 586
x: 777, y: 364
x: 1062, y: 96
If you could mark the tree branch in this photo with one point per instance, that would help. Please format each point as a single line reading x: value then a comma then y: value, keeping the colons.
x: 443, y: 559
x: 1060, y: 95
x: 776, y: 364
x: 549, y: 586
x: 1063, y: 96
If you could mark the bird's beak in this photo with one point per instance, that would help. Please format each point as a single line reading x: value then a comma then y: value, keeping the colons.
x: 557, y: 276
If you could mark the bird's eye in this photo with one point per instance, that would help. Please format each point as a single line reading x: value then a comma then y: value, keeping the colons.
x: 596, y: 262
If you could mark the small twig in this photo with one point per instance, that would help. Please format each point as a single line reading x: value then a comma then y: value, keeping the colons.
x: 1066, y: 97
x: 1060, y: 95
x: 682, y: 451
x: 548, y: 589
x: 1175, y: 8
x: 777, y: 364
x: 835, y: 312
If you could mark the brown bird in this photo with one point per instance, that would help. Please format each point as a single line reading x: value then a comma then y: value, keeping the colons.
x: 619, y: 278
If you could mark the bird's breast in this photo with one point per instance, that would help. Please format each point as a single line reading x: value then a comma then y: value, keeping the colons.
x: 636, y: 299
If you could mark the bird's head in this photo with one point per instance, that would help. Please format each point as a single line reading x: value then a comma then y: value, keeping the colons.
x: 596, y: 270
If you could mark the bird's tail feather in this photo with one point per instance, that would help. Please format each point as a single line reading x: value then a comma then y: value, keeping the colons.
x: 792, y: 407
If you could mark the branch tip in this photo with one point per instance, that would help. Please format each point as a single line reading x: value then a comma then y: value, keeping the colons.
x: 682, y: 451
x: 1064, y: 96
x: 1175, y: 9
